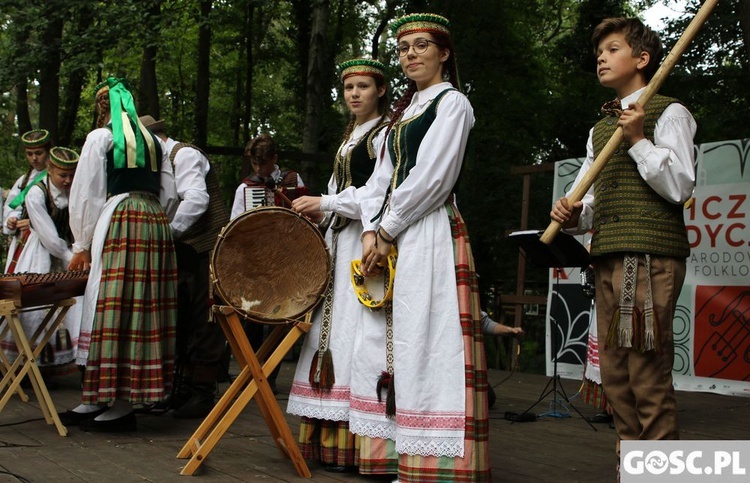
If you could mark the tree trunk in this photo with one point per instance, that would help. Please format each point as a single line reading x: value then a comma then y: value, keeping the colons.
x: 203, y: 82
x: 302, y: 14
x: 21, y: 82
x: 249, y: 64
x: 744, y: 14
x: 22, y: 106
x: 148, y: 93
x: 75, y: 82
x: 316, y: 77
x: 384, y: 21
x: 49, y: 78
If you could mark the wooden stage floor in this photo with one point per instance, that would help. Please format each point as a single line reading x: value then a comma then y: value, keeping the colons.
x: 549, y: 449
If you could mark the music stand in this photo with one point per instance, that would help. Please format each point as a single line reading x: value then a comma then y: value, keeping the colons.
x: 563, y: 252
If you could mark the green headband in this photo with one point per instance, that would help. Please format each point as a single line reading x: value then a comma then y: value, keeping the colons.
x: 57, y: 158
x: 129, y: 148
x: 420, y: 22
x: 34, y: 143
x: 368, y: 67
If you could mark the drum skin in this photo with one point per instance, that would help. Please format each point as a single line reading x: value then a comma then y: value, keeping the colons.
x: 271, y: 265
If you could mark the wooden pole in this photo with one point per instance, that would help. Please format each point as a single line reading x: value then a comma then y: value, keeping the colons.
x: 656, y: 82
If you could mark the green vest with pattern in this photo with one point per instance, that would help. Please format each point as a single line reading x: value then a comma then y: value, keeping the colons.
x: 355, y: 168
x: 629, y: 216
x: 406, y: 137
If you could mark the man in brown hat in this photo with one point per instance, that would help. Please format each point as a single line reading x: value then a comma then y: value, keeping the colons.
x: 196, y: 222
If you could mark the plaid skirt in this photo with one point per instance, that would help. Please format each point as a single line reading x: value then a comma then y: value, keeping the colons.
x: 328, y: 442
x: 375, y: 456
x: 132, y: 350
x: 474, y: 466
x: 593, y: 395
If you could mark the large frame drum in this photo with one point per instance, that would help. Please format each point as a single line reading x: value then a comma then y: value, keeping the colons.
x: 271, y: 265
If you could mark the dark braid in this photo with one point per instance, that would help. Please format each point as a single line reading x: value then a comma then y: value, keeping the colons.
x: 27, y: 177
x: 398, y: 109
x: 349, y: 129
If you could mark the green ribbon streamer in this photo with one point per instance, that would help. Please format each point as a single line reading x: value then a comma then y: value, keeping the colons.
x: 120, y: 100
x: 16, y: 202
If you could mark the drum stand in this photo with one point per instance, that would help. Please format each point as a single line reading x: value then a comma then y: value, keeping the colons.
x: 25, y: 364
x: 251, y: 381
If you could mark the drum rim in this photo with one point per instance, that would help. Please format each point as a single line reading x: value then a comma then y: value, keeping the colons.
x: 216, y: 285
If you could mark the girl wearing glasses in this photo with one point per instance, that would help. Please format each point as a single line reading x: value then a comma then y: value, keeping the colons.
x: 439, y: 371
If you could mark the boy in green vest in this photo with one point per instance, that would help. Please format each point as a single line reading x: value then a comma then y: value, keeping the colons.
x: 639, y: 242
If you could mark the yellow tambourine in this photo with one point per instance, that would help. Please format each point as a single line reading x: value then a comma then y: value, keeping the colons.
x: 360, y: 282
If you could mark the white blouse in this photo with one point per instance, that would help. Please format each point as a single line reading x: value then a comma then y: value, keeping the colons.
x: 190, y: 170
x: 42, y: 223
x: 9, y: 212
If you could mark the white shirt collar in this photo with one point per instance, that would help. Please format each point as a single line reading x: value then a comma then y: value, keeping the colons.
x: 361, y: 129
x: 422, y: 97
x: 632, y: 98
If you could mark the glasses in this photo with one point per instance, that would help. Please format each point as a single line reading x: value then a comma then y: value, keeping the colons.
x: 420, y: 47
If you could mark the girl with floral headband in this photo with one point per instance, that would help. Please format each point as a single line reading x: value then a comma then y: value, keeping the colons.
x: 36, y: 146
x: 440, y: 428
x: 48, y: 249
x: 324, y: 377
x: 122, y: 235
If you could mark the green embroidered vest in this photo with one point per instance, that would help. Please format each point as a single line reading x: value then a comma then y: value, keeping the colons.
x: 355, y: 168
x: 629, y: 216
x: 126, y: 180
x: 406, y: 137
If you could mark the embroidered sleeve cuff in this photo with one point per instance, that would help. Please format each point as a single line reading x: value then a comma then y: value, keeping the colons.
x: 327, y: 203
x: 392, y: 225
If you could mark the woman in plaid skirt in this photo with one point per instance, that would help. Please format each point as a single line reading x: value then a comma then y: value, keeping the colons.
x: 438, y: 379
x: 122, y: 235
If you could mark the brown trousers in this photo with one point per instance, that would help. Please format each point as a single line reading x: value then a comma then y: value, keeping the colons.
x: 639, y: 385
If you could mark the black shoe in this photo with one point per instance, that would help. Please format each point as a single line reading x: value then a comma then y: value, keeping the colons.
x: 155, y: 409
x: 72, y: 418
x: 339, y: 469
x: 117, y: 425
x: 197, y: 407
x: 601, y: 418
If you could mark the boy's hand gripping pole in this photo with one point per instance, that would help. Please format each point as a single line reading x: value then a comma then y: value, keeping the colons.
x: 656, y: 82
